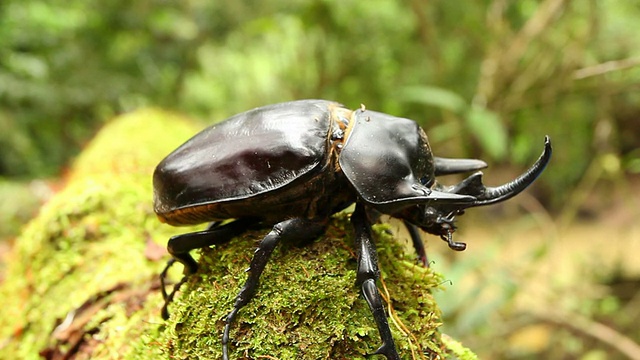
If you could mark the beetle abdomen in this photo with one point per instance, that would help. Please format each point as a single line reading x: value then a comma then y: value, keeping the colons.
x: 244, y: 156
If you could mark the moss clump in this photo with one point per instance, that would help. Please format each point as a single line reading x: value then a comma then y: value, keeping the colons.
x: 307, y: 306
x: 95, y: 251
x: 90, y: 238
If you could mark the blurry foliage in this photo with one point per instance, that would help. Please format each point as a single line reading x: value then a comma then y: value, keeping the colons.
x: 488, y: 79
x: 20, y: 202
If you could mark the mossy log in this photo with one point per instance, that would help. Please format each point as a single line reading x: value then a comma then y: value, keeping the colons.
x: 82, y: 279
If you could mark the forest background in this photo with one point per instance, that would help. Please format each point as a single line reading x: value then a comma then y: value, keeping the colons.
x: 546, y: 273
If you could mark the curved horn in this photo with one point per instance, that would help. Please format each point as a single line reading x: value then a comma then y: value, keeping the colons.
x: 493, y: 195
x: 490, y: 195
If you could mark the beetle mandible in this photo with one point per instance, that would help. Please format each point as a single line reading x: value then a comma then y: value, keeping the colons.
x: 292, y: 165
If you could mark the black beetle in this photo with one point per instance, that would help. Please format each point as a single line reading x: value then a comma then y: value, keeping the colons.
x: 292, y: 165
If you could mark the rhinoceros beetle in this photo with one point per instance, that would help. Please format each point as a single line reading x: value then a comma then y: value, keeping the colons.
x: 292, y: 165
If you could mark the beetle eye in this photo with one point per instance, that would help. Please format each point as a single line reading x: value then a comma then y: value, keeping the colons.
x: 424, y: 180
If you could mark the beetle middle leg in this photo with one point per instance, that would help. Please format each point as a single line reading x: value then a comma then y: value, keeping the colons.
x: 296, y: 229
x: 368, y: 273
x: 418, y: 245
x: 180, y: 245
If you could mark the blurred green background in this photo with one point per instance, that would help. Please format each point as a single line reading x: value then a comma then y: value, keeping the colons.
x: 554, y: 277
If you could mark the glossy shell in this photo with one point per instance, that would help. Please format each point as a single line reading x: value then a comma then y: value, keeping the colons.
x: 249, y: 154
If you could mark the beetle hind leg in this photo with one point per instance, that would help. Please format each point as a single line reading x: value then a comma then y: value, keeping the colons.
x: 180, y: 245
x: 168, y: 297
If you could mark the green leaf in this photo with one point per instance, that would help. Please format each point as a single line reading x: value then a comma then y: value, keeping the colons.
x: 487, y: 127
x: 434, y: 96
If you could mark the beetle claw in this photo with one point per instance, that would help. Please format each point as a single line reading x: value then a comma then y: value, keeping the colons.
x: 387, y: 350
x: 168, y: 297
x: 163, y: 278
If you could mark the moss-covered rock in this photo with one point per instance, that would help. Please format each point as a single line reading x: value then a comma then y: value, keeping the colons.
x: 82, y: 277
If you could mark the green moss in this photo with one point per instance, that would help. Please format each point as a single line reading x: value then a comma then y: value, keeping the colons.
x: 91, y: 236
x: 91, y: 250
x: 458, y: 350
x: 307, y: 306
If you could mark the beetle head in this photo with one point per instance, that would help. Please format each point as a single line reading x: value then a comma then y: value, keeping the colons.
x: 436, y: 222
x: 437, y: 214
x: 389, y: 163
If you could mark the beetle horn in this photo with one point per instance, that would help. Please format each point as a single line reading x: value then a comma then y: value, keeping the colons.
x: 445, y: 166
x: 489, y: 195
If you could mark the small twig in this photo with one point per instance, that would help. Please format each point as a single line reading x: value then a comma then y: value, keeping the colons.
x: 306, y: 272
x: 546, y: 223
x: 503, y: 57
x: 536, y: 25
x: 599, y: 331
x: 578, y: 196
x: 267, y: 357
x: 399, y: 324
x: 606, y: 67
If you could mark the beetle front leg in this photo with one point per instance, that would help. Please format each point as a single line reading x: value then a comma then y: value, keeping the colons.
x: 180, y: 245
x: 290, y: 230
x: 368, y: 273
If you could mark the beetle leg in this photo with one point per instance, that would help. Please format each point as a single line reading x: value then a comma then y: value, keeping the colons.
x: 180, y: 245
x: 296, y: 229
x: 418, y: 245
x: 368, y: 273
